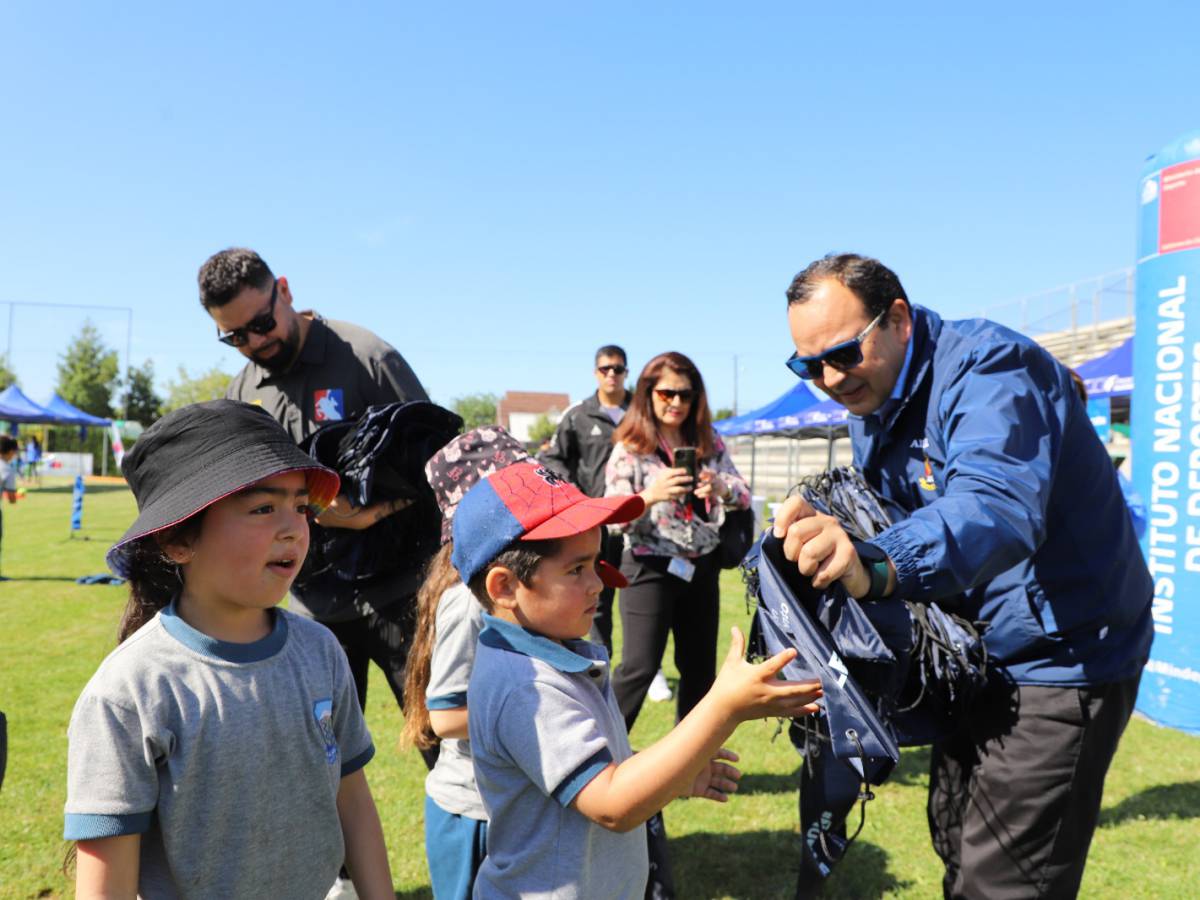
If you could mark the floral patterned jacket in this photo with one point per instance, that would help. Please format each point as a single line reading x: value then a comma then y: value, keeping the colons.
x: 670, y: 528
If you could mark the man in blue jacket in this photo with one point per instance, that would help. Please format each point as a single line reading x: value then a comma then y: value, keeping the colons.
x: 1006, y: 510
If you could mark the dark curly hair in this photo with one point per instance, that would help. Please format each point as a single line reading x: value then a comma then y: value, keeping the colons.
x: 226, y: 274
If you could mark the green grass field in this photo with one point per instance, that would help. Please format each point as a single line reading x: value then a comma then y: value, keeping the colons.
x: 54, y: 633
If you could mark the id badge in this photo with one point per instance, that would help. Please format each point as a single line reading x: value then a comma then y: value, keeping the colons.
x: 682, y: 568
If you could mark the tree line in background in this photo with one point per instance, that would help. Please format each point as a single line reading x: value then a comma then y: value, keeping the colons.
x: 89, y: 378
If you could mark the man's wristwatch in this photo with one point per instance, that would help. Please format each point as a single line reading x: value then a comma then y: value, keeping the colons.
x: 875, y: 561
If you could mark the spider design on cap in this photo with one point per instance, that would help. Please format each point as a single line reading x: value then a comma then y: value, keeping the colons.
x: 550, y: 477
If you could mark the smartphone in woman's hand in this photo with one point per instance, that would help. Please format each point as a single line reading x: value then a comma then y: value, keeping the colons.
x: 685, y: 458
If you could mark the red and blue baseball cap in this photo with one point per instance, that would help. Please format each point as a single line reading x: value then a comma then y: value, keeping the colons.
x: 528, y: 502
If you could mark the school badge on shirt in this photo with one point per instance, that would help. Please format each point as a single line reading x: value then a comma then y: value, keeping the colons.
x: 323, y: 714
x: 328, y: 406
x: 927, y: 482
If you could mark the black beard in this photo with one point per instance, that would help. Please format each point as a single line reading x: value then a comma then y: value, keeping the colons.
x: 289, y: 348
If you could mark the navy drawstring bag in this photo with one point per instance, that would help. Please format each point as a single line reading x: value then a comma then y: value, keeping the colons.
x: 894, y: 673
x: 381, y: 456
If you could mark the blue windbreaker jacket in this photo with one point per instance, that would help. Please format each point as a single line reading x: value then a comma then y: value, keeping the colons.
x: 1003, y: 494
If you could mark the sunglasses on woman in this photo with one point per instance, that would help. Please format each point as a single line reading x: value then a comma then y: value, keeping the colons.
x: 263, y: 323
x: 843, y: 356
x: 666, y: 395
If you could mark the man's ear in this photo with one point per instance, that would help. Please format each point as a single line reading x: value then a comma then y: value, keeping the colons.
x: 501, y: 585
x: 285, y: 290
x: 900, y: 317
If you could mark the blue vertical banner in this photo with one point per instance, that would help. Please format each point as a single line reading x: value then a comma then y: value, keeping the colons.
x: 1166, y: 425
x: 77, y: 504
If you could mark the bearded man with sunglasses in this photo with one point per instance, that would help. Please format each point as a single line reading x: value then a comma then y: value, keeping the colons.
x: 307, y: 371
x: 1007, y: 510
x: 580, y: 450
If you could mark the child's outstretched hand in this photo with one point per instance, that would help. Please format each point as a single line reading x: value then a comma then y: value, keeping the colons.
x: 717, y: 780
x: 755, y: 692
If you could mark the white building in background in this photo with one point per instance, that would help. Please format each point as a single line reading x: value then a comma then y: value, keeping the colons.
x: 517, y: 411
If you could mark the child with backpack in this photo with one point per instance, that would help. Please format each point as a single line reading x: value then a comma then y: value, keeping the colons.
x: 218, y: 751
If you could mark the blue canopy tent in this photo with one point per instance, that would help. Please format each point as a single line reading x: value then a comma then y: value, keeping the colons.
x: 781, y: 414
x: 797, y: 413
x: 72, y: 415
x: 1109, y: 375
x: 826, y: 414
x: 16, y: 407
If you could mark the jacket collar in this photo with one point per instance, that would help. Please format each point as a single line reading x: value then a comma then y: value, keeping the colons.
x: 572, y: 657
x: 594, y: 408
x: 918, y: 366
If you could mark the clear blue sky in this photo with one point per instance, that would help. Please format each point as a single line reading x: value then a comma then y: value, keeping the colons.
x: 497, y: 189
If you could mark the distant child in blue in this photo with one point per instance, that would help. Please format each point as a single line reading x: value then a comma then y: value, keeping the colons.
x: 33, y: 456
x: 440, y: 660
x: 8, y: 479
x: 565, y: 795
x: 219, y: 750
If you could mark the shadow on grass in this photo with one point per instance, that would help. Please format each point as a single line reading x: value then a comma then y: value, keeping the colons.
x: 752, y: 783
x: 913, y: 767
x: 88, y: 489
x: 417, y: 894
x: 106, y: 537
x: 766, y: 864
x: 1163, y: 801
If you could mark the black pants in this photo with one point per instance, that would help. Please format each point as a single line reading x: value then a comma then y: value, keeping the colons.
x: 384, y: 637
x: 656, y: 604
x: 602, y: 623
x: 1014, y: 796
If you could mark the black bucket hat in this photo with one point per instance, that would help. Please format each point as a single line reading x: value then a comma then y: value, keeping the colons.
x: 197, y: 455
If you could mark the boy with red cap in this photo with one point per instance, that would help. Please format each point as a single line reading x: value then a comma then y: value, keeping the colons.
x: 566, y: 797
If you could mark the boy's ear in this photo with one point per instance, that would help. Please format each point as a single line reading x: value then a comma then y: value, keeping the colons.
x: 501, y: 584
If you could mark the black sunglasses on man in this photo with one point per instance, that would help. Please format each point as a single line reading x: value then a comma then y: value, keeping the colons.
x: 843, y: 356
x: 263, y: 323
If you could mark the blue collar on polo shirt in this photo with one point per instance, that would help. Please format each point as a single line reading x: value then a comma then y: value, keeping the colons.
x: 255, y: 651
x: 573, y: 656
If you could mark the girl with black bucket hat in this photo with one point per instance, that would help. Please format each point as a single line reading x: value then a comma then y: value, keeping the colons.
x: 219, y: 750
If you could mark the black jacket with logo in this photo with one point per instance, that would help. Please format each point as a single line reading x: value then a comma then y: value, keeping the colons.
x: 583, y: 443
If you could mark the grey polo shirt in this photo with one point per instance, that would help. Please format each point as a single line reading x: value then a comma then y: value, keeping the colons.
x: 459, y: 620
x: 342, y: 369
x: 543, y: 723
x: 227, y: 758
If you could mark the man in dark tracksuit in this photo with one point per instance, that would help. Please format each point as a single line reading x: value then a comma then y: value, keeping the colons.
x: 580, y: 450
x: 1006, y: 510
x: 307, y: 371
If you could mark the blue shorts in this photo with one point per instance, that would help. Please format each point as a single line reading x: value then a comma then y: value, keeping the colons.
x: 454, y: 848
